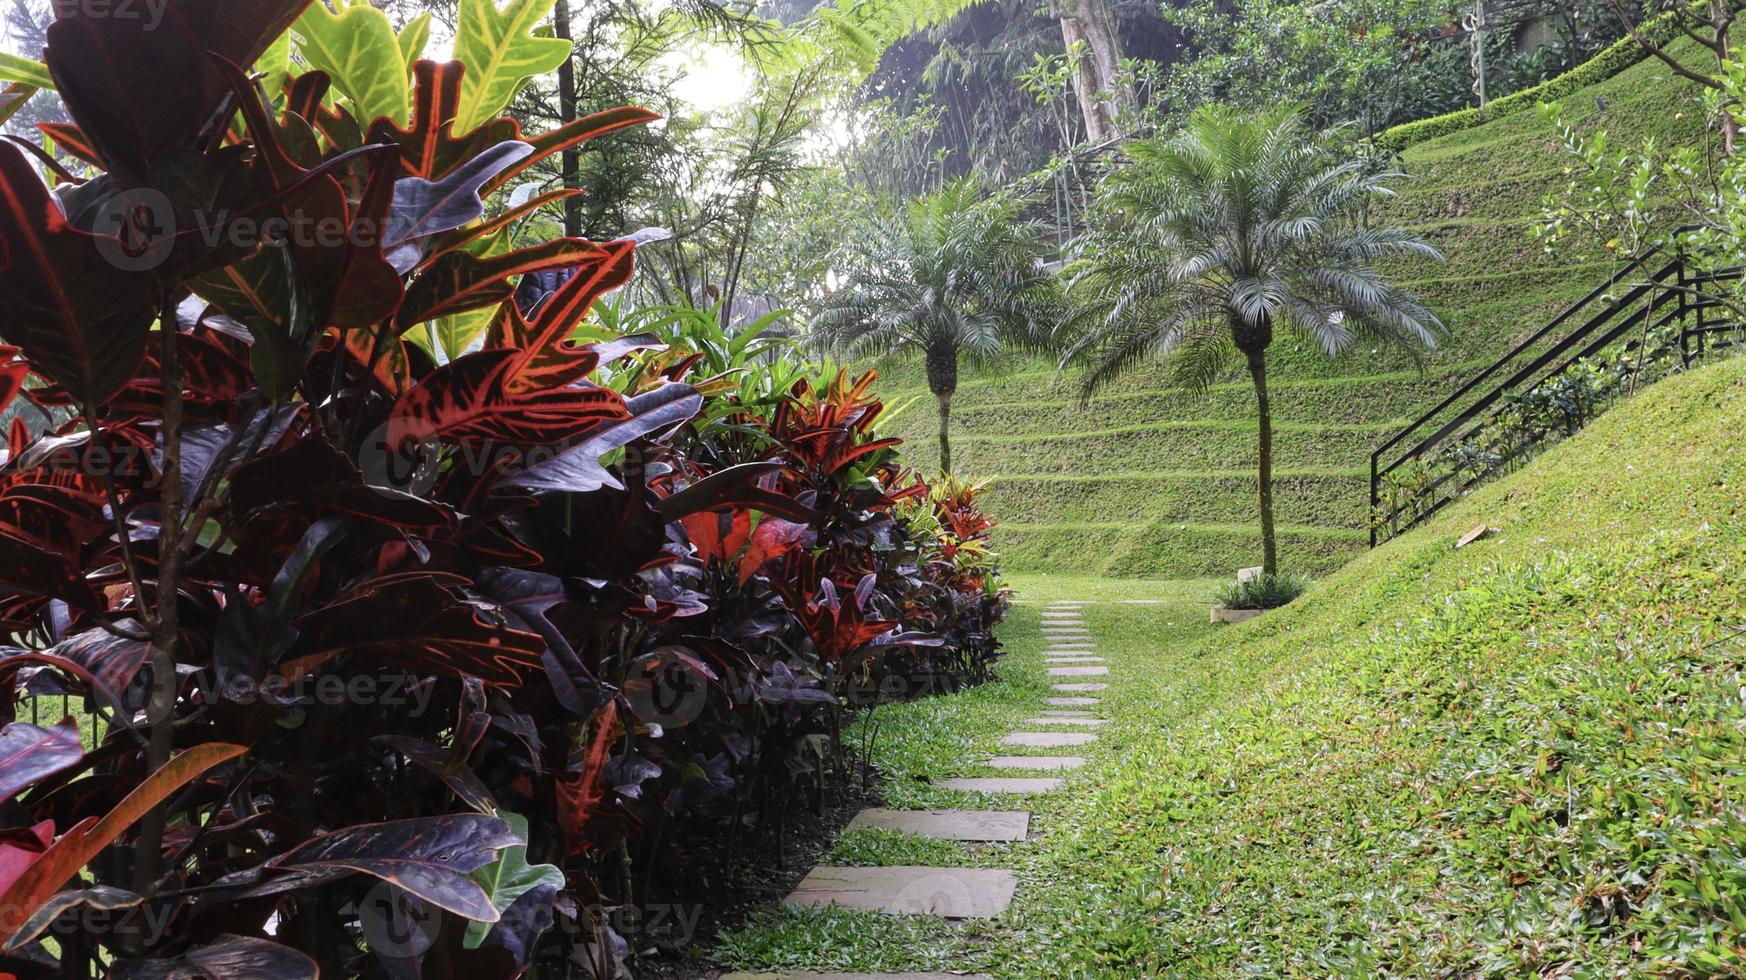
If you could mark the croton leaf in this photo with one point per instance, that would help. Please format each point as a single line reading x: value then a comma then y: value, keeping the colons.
x: 137, y: 88
x: 719, y: 536
x: 13, y: 99
x: 423, y: 208
x: 75, y: 849
x: 510, y: 877
x: 773, y: 540
x: 460, y: 281
x: 498, y: 46
x: 73, y: 140
x: 358, y: 50
x: 100, y: 897
x: 578, y: 470
x: 548, y: 356
x: 227, y: 958
x: 441, y: 763
x: 80, y: 319
x: 417, y: 622
x: 29, y: 754
x: 430, y: 147
x: 13, y: 370
x: 574, y: 134
x: 430, y: 857
x: 470, y: 400
x: 583, y: 797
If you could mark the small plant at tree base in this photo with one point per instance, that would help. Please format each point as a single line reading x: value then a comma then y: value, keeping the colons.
x: 1265, y: 591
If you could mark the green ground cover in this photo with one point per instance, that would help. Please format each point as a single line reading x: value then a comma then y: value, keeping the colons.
x: 1524, y: 757
x: 1148, y: 482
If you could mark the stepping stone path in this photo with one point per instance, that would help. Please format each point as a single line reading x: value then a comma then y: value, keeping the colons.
x: 1001, y: 784
x: 855, y: 976
x: 975, y: 825
x: 1048, y: 740
x: 1078, y: 671
x: 1036, y: 762
x: 955, y: 893
x: 968, y: 893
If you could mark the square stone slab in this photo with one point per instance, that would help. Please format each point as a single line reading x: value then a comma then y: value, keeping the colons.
x: 855, y: 976
x: 1080, y: 687
x: 1078, y: 671
x: 1048, y: 740
x: 1001, y: 784
x: 956, y: 893
x: 1081, y: 722
x: 1072, y: 702
x: 1038, y: 762
x: 974, y: 825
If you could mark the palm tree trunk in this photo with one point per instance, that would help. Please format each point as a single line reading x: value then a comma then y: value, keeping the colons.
x: 943, y: 382
x: 1269, y: 545
x: 945, y: 433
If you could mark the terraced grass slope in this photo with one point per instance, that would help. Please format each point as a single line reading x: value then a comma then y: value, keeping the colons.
x: 1150, y: 482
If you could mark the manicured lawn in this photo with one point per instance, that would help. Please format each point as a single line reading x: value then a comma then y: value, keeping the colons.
x: 1523, y: 757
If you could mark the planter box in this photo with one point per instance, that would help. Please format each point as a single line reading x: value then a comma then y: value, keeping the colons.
x: 1221, y: 614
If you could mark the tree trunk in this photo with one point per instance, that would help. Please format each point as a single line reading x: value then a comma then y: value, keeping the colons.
x: 1269, y: 545
x: 945, y: 433
x: 572, y: 165
x: 943, y: 382
x: 1103, y: 94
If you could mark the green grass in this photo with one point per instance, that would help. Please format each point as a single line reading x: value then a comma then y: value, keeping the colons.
x: 1174, y: 468
x: 1520, y: 758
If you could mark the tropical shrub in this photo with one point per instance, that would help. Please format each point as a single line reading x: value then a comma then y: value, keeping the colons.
x: 1264, y: 591
x: 413, y: 611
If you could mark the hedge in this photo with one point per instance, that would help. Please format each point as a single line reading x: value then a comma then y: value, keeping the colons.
x: 1622, y: 54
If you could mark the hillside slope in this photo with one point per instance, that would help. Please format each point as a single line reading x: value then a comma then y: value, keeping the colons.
x: 1149, y: 482
x: 1518, y: 758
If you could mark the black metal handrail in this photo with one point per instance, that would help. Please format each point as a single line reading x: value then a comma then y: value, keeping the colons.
x: 1654, y: 282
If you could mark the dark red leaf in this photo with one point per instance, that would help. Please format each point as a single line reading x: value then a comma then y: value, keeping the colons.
x: 429, y: 857
x: 81, y: 321
x: 227, y: 958
x: 583, y: 798
x: 78, y: 846
x: 417, y: 622
x: 461, y: 281
x: 29, y: 754
x: 470, y: 400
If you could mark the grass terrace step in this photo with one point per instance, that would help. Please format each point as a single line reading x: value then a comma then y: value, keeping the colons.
x: 1327, y: 500
x: 1182, y: 445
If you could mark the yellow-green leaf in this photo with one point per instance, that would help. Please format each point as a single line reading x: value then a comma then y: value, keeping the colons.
x: 25, y: 71
x: 358, y: 48
x: 502, y: 55
x: 414, y: 37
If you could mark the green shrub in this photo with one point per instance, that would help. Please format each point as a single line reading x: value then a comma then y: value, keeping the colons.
x: 1262, y: 592
x: 1621, y: 55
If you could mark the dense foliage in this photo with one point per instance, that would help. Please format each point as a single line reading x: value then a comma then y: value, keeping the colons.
x: 416, y: 610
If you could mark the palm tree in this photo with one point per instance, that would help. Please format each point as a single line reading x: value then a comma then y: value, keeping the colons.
x: 1213, y: 241
x: 953, y: 276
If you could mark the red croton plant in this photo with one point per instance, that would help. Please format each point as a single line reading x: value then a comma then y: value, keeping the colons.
x: 390, y: 667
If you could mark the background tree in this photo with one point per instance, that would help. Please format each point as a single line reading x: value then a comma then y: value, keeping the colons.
x: 955, y: 275
x: 1211, y: 243
x: 1710, y: 25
